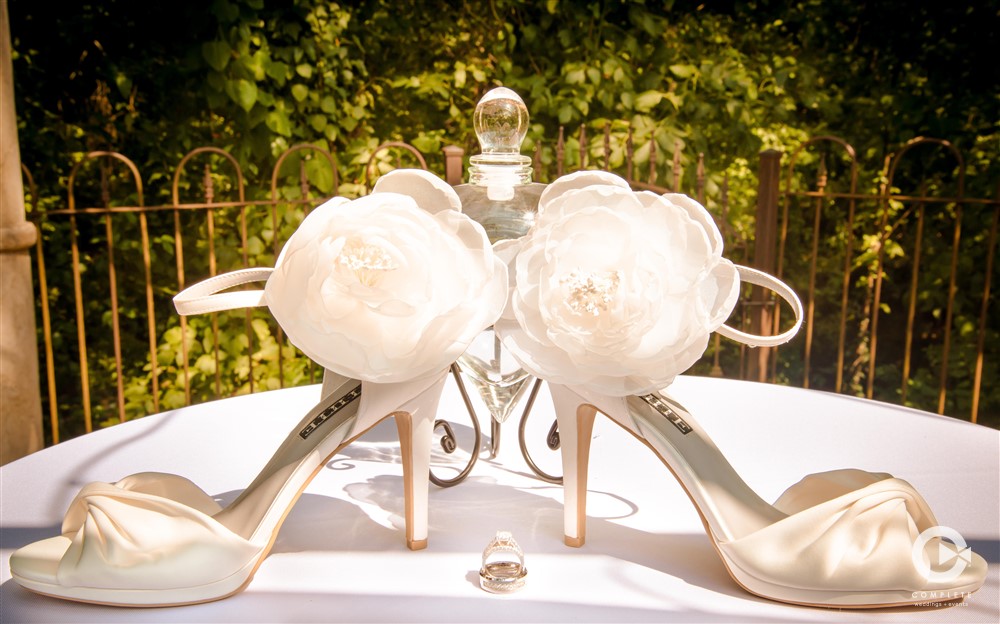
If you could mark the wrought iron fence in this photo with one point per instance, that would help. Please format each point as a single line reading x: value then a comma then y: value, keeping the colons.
x: 880, y: 274
x: 107, y: 263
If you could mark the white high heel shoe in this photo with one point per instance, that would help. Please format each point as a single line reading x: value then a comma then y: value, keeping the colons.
x: 155, y: 539
x: 839, y: 539
x: 615, y: 293
x: 389, y: 289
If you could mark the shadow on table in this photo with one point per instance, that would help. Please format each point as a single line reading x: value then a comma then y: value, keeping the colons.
x: 12, y: 538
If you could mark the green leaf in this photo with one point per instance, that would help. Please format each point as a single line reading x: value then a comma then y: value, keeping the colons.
x: 565, y: 114
x: 328, y: 104
x: 276, y: 70
x: 224, y: 11
x: 217, y: 81
x: 304, y: 69
x: 300, y: 92
x: 647, y: 101
x: 277, y: 121
x: 255, y: 247
x: 217, y: 54
x: 318, y: 122
x: 206, y: 364
x: 124, y: 84
x: 320, y: 174
x: 260, y: 325
x: 683, y: 71
x: 245, y: 94
x: 427, y: 144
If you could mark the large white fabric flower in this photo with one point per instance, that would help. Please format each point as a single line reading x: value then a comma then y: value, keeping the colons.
x: 388, y: 287
x: 614, y: 289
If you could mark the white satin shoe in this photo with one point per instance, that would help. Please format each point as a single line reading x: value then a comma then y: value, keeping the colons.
x: 840, y: 539
x: 614, y: 293
x: 155, y: 539
x: 385, y: 292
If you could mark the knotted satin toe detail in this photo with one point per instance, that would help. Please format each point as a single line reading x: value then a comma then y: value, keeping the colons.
x: 848, y: 530
x: 147, y: 531
x: 823, y: 486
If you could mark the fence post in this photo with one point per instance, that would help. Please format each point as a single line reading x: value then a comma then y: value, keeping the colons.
x: 20, y: 395
x: 765, y: 256
x: 453, y: 164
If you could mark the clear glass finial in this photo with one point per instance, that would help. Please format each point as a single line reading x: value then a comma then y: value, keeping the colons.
x: 501, y: 123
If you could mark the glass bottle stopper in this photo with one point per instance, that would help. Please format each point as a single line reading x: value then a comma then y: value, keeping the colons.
x: 501, y: 122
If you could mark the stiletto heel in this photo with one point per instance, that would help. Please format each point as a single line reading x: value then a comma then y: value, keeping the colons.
x: 615, y: 294
x: 385, y: 294
x: 576, y: 426
x: 416, y: 431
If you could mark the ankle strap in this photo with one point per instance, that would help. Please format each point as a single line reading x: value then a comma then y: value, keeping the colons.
x: 759, y: 278
x: 205, y: 297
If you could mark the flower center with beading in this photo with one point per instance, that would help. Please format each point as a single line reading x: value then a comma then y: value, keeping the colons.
x: 368, y: 261
x: 591, y: 292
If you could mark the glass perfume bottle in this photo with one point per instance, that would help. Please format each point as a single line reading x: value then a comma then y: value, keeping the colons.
x: 501, y: 196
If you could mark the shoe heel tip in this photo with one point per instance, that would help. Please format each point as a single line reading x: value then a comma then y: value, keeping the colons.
x: 416, y: 544
x: 574, y: 542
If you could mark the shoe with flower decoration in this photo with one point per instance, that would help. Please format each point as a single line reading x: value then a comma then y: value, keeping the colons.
x: 613, y: 294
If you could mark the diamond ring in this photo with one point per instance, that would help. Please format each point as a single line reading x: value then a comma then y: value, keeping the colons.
x: 501, y: 573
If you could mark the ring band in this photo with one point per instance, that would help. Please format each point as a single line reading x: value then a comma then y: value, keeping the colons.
x: 501, y: 575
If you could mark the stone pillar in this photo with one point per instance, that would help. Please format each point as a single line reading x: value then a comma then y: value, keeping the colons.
x: 20, y: 397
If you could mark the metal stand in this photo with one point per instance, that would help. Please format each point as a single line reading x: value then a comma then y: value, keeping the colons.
x: 449, y: 443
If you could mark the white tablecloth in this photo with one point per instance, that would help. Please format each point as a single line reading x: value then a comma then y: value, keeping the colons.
x: 340, y: 556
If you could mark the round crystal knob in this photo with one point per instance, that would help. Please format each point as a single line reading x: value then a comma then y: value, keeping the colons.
x: 501, y: 122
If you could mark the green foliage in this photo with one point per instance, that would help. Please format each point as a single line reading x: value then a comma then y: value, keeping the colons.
x: 155, y: 80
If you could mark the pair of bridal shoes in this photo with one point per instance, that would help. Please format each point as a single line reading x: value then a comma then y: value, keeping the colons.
x: 613, y: 294
x: 385, y: 292
x: 608, y: 298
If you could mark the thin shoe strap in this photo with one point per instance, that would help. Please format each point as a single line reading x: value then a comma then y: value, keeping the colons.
x: 204, y: 297
x: 759, y: 278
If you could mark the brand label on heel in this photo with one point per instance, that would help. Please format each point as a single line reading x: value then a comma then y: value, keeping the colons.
x: 660, y: 405
x: 330, y: 411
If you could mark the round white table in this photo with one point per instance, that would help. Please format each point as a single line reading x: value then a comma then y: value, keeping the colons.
x: 341, y: 556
